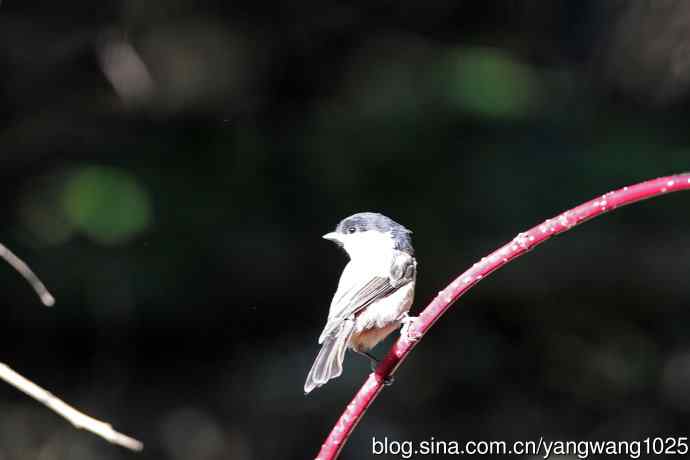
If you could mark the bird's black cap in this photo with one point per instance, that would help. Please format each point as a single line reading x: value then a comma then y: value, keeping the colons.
x: 368, y: 221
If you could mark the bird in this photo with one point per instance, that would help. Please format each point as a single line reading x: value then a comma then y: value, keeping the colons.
x: 374, y: 294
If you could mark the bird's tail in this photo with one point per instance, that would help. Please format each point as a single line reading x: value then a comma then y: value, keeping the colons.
x: 329, y: 362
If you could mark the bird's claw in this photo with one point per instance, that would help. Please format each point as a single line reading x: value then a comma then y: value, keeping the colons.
x: 408, y: 331
x: 388, y: 380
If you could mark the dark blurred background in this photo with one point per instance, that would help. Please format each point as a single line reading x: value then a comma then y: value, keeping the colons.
x: 168, y: 169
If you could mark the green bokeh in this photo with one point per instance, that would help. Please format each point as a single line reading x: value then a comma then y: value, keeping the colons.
x: 491, y: 83
x: 106, y: 203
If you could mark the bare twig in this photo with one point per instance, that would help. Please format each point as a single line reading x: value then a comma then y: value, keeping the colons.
x: 520, y: 245
x: 76, y: 418
x: 24, y: 270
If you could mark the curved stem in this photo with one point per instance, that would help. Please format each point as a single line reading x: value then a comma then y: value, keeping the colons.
x: 24, y: 270
x: 521, y: 244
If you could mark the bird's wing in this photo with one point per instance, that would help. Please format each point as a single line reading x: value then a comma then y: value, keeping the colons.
x: 356, y: 291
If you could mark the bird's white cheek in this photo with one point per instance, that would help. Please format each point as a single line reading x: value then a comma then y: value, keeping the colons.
x: 364, y: 244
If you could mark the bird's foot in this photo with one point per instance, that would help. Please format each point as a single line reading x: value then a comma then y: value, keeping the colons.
x: 373, y: 360
x: 407, y: 330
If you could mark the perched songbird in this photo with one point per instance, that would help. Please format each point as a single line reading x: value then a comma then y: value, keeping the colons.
x: 374, y: 294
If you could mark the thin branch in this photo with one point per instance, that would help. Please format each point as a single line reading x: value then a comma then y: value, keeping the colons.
x: 24, y: 270
x: 521, y: 244
x: 76, y: 418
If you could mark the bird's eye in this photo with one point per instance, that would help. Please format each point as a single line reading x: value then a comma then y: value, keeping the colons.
x: 351, y: 230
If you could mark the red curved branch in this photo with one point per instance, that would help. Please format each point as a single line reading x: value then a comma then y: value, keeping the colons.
x: 518, y: 246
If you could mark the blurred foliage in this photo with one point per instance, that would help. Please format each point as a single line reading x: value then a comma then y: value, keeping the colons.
x: 168, y: 168
x: 107, y: 204
x: 490, y: 83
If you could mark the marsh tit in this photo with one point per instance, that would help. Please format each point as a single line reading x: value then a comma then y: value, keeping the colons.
x: 374, y: 294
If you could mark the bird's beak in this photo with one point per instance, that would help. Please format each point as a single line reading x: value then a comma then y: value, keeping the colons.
x: 332, y: 236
